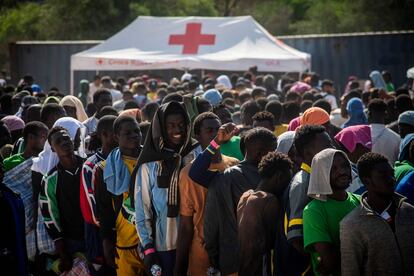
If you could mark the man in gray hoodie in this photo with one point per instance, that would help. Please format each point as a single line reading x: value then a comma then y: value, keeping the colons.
x: 376, y: 238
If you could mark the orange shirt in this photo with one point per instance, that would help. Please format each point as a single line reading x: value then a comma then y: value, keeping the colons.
x: 192, y: 204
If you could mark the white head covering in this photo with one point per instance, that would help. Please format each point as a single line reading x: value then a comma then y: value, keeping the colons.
x: 186, y: 77
x: 72, y: 101
x: 410, y: 73
x: 48, y: 159
x: 320, y: 177
x: 224, y: 81
x: 285, y: 142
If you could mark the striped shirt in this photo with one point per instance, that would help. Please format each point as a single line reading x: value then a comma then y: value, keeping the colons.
x: 151, y: 210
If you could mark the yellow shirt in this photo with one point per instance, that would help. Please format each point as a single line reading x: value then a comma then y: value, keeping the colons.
x: 152, y: 96
x: 280, y: 129
x: 126, y: 234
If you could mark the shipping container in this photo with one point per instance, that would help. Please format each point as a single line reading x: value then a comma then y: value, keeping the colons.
x: 47, y: 61
x: 334, y: 56
x: 338, y: 56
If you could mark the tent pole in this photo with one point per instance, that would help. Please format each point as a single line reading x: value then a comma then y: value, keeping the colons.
x: 202, y: 73
x: 71, y: 82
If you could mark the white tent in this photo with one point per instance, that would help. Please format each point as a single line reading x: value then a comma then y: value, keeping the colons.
x: 215, y: 43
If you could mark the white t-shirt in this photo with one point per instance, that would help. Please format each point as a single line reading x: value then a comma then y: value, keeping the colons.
x: 331, y: 99
x: 92, y: 89
x: 385, y: 141
x: 116, y: 95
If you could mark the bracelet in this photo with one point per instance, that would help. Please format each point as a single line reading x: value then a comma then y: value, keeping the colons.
x: 149, y: 251
x: 214, y: 144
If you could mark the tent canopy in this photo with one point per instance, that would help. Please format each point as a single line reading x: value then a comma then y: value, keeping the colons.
x: 186, y: 43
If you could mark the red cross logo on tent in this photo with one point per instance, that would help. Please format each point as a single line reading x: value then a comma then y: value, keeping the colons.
x: 192, y: 39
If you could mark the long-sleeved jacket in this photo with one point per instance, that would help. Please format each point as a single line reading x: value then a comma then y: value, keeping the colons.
x: 153, y: 224
x: 87, y: 190
x: 369, y: 246
x: 220, y: 222
x: 59, y: 203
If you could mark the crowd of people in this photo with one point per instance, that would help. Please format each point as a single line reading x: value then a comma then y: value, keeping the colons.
x: 219, y: 175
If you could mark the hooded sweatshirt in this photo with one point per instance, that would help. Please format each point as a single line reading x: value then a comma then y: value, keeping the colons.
x: 155, y: 182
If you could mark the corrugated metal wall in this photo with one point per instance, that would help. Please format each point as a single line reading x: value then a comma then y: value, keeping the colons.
x: 333, y: 56
x: 48, y: 62
x: 338, y: 56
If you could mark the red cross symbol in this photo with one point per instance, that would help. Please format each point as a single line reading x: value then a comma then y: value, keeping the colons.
x: 192, y: 39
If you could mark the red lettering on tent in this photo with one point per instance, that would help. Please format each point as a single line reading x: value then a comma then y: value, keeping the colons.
x: 192, y: 39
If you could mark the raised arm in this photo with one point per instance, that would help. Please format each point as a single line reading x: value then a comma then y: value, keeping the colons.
x: 199, y: 172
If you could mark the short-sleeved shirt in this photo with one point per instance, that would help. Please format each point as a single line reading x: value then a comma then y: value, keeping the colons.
x: 298, y: 199
x: 280, y: 129
x: 402, y: 168
x: 12, y: 161
x: 192, y: 203
x: 232, y: 148
x: 321, y: 222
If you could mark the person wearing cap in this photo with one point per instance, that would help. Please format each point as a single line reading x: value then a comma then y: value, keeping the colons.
x: 15, y: 126
x: 213, y: 96
x: 152, y: 87
x: 318, y: 116
x: 406, y: 123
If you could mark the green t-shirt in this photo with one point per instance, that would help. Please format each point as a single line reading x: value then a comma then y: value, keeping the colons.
x: 12, y: 161
x: 321, y: 222
x: 232, y: 148
x: 402, y: 168
x: 390, y: 87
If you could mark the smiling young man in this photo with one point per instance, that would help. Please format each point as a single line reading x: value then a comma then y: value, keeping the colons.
x: 156, y: 185
x: 329, y: 179
x: 59, y: 199
x: 192, y: 258
x: 376, y: 238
